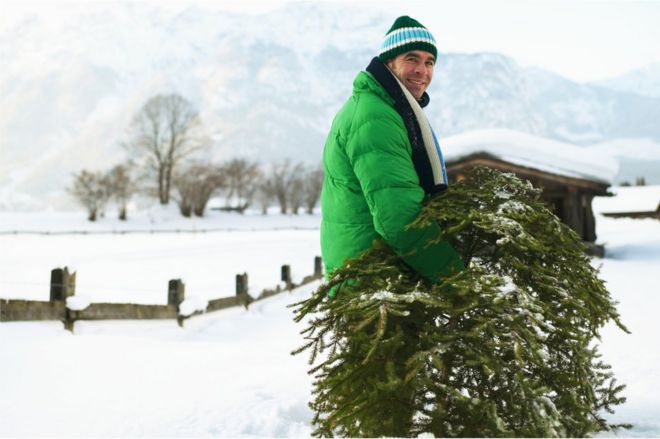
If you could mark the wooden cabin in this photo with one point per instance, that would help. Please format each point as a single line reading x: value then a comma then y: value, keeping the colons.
x: 568, y: 177
x: 631, y: 202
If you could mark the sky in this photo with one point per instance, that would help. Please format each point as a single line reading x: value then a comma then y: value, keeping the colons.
x: 581, y: 40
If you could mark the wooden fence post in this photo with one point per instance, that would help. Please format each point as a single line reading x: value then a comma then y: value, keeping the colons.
x: 176, y: 293
x: 286, y: 276
x: 242, y: 288
x: 62, y: 284
x: 318, y: 267
x: 241, y: 284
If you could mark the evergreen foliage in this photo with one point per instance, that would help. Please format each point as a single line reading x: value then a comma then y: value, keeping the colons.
x: 503, y: 348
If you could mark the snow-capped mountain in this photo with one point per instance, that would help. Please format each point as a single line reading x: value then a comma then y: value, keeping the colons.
x: 488, y: 90
x: 584, y: 114
x: 644, y: 81
x: 266, y: 86
x: 482, y: 90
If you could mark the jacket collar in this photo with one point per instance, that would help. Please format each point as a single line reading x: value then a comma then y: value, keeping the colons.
x: 365, y: 82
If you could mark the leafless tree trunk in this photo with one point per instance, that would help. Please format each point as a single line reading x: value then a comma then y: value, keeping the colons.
x: 91, y: 190
x: 194, y: 185
x: 242, y: 177
x: 313, y: 186
x: 281, y: 179
x: 162, y: 133
x: 265, y: 194
x: 296, y: 193
x: 184, y: 185
x: 121, y: 187
x: 210, y: 179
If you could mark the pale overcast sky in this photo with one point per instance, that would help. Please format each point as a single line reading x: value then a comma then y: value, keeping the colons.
x: 582, y: 40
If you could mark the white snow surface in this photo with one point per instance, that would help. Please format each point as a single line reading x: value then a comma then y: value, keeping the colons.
x: 78, y: 303
x: 629, y: 199
x: 229, y: 373
x: 190, y: 306
x: 533, y: 152
x: 133, y: 261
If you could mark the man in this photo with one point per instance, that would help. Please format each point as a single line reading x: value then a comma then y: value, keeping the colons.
x: 381, y: 159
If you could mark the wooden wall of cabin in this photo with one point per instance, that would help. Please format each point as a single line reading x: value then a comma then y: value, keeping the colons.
x: 589, y: 218
x: 573, y: 207
x: 571, y: 204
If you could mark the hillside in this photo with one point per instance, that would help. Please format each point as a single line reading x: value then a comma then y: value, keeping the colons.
x: 267, y: 87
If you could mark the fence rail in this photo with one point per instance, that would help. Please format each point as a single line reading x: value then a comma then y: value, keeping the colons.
x: 63, y: 286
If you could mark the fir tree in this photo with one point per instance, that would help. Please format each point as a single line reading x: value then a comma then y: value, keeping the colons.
x: 504, y: 348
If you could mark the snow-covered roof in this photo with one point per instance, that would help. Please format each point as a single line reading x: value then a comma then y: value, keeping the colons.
x: 629, y: 199
x: 532, y: 152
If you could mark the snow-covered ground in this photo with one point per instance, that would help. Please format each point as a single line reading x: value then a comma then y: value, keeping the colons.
x: 227, y: 373
x: 223, y: 374
x: 135, y: 263
x: 630, y: 270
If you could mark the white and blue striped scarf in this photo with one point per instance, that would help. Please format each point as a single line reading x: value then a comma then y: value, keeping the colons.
x: 426, y: 153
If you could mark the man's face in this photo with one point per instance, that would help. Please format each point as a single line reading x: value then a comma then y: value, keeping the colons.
x: 414, y: 69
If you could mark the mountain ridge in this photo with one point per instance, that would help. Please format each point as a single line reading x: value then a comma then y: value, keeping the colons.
x: 267, y: 87
x: 644, y: 81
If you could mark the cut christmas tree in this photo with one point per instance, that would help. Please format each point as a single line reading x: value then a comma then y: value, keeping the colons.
x: 506, y: 347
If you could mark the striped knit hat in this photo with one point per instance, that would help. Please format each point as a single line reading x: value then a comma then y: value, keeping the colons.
x: 406, y: 34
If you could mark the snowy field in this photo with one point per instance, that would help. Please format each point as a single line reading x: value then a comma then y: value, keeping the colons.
x: 132, y: 262
x: 227, y: 373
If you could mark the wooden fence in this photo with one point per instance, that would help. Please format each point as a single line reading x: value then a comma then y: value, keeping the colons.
x: 63, y: 285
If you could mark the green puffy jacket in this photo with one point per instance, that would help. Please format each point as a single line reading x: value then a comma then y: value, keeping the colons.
x: 371, y: 189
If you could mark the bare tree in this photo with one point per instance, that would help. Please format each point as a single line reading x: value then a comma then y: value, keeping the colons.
x: 281, y: 178
x: 313, y: 186
x: 194, y: 185
x: 210, y: 179
x: 184, y: 191
x: 296, y: 193
x: 91, y: 190
x: 242, y: 182
x: 121, y: 187
x: 163, y: 133
x: 265, y: 194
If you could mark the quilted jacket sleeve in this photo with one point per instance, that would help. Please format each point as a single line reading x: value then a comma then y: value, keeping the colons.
x: 380, y: 155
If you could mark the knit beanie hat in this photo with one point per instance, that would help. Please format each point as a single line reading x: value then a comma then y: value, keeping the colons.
x: 406, y: 34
